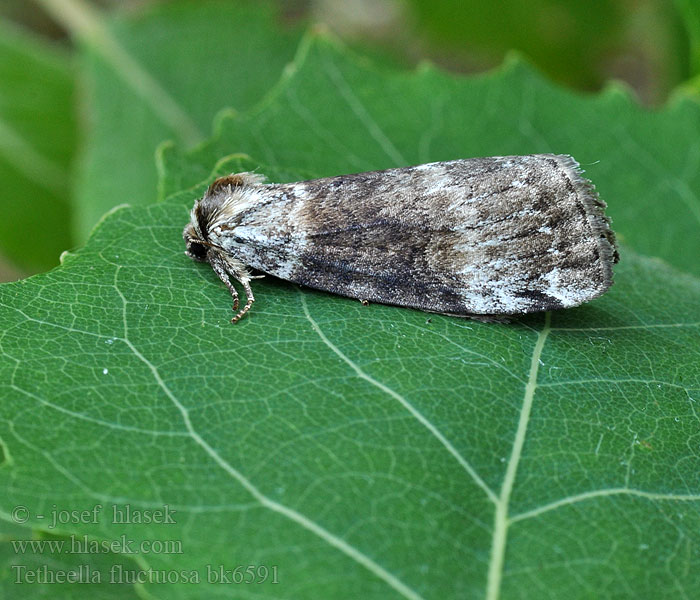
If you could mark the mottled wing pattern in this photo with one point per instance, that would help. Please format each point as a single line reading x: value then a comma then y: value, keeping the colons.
x: 492, y: 236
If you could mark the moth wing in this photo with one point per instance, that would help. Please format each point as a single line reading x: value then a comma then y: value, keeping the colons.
x: 503, y: 235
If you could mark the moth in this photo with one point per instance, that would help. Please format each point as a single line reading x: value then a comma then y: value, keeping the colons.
x: 479, y: 237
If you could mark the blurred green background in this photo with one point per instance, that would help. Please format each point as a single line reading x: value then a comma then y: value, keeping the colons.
x: 48, y: 129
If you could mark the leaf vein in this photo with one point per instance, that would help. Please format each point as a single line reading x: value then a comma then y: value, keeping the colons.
x: 401, y: 400
x: 268, y: 503
x: 501, y: 521
x: 356, y: 106
x: 85, y: 23
x: 569, y: 500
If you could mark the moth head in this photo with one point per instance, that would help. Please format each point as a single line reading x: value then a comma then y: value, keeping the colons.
x: 218, y: 205
x: 195, y: 247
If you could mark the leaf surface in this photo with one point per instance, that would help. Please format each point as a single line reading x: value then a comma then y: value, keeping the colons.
x: 381, y: 450
x: 569, y: 43
x: 690, y: 13
x: 336, y: 114
x: 35, y: 151
x: 197, y: 59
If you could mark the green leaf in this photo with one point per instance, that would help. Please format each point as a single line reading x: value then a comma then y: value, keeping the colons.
x: 183, y: 63
x: 336, y: 114
x: 690, y: 12
x: 569, y: 39
x: 580, y: 44
x: 376, y: 449
x: 371, y: 445
x: 37, y: 142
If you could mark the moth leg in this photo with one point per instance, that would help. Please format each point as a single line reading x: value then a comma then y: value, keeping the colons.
x: 245, y: 282
x: 220, y: 269
x: 223, y: 268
